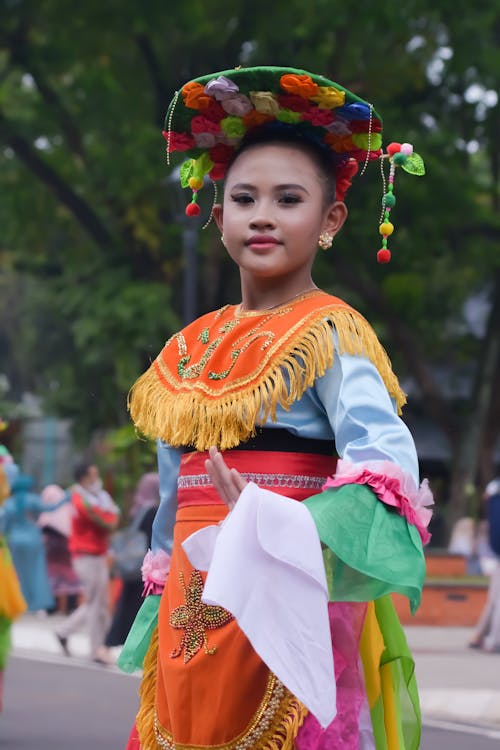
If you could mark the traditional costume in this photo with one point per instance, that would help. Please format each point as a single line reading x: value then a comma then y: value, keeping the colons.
x: 12, y: 604
x: 272, y: 626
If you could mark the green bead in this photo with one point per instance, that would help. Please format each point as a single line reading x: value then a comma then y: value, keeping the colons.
x: 391, y: 187
x: 389, y: 199
x: 399, y: 158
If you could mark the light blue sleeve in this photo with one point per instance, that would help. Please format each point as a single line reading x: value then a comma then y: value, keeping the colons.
x: 363, y: 416
x: 163, y: 526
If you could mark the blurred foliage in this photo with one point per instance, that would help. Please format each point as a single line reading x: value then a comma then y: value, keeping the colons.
x: 91, y: 261
x: 127, y: 457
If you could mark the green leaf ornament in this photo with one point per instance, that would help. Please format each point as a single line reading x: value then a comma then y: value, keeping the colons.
x: 186, y: 171
x: 414, y: 165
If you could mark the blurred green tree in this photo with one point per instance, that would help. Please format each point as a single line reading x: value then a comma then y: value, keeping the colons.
x: 91, y: 252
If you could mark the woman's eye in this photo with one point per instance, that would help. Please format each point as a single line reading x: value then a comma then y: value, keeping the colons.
x: 243, y: 198
x: 290, y: 198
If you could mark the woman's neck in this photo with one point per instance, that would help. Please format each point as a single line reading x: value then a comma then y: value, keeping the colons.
x: 265, y: 298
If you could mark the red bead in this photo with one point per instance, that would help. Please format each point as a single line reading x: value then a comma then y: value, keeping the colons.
x: 393, y: 148
x: 383, y: 255
x: 192, y: 209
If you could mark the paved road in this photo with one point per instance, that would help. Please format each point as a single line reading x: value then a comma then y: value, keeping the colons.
x: 64, y: 705
x: 57, y: 706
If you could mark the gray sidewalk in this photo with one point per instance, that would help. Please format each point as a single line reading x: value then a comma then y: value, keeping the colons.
x: 456, y: 683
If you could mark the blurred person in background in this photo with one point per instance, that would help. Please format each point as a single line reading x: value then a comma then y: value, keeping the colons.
x: 487, y: 634
x: 94, y: 517
x: 143, y: 511
x: 24, y: 538
x: 56, y: 527
x: 12, y: 603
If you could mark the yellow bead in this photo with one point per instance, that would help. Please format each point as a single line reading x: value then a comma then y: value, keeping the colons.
x: 386, y: 228
x: 195, y: 183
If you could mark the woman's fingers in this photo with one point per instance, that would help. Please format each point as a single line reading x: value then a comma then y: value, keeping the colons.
x: 228, y: 482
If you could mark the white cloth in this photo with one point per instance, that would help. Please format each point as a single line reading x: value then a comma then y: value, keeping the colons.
x: 265, y: 566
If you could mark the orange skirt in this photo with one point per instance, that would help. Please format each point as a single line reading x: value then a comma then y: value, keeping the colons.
x: 212, y: 689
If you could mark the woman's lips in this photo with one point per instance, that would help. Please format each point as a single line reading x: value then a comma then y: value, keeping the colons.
x: 262, y: 242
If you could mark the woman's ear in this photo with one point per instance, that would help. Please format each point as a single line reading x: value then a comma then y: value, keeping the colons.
x: 217, y: 214
x: 335, y: 217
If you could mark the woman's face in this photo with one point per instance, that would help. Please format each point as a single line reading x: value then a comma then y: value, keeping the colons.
x: 274, y: 211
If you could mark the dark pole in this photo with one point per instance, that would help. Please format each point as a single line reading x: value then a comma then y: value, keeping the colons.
x: 190, y: 281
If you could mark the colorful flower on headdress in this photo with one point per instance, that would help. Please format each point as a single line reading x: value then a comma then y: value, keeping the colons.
x: 218, y: 172
x: 339, y: 143
x: 238, y: 105
x: 339, y: 127
x: 178, y: 141
x: 286, y: 115
x: 214, y: 112
x: 265, y: 102
x: 201, y: 124
x: 319, y: 117
x: 292, y: 101
x: 195, y: 97
x: 354, y: 111
x: 301, y: 85
x: 205, y: 140
x: 221, y: 153
x: 329, y: 97
x: 343, y: 178
x: 361, y: 126
x: 253, y: 119
x: 233, y: 127
x: 367, y: 141
x: 221, y: 88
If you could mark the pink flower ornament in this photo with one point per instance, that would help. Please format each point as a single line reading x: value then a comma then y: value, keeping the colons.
x: 155, y: 568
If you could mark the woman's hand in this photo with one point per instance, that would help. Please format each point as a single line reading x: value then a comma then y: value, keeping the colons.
x: 228, y: 482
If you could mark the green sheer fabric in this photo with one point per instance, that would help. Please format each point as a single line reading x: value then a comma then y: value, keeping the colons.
x: 139, y: 637
x: 372, y: 550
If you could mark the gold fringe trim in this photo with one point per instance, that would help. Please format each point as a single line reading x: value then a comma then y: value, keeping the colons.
x: 145, y: 719
x: 190, y: 417
x: 283, y: 736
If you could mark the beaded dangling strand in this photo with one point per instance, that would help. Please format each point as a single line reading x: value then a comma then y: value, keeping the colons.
x: 399, y: 155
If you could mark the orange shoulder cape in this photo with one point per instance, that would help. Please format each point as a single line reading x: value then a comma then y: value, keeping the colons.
x: 229, y: 369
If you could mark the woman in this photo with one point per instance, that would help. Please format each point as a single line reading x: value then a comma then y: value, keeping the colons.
x: 146, y: 501
x: 56, y: 528
x: 287, y: 396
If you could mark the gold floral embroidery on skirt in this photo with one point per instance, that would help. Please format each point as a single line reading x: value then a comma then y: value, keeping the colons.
x: 195, y: 618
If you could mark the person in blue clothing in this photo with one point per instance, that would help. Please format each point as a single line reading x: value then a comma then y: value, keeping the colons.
x: 24, y: 538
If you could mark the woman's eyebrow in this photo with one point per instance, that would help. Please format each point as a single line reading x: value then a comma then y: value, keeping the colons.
x: 284, y: 186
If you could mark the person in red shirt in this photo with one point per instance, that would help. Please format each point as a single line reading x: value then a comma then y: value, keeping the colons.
x: 94, y: 516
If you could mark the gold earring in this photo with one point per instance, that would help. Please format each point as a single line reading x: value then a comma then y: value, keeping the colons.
x: 325, y: 240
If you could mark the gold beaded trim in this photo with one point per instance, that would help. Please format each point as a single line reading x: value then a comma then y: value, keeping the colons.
x: 273, y: 727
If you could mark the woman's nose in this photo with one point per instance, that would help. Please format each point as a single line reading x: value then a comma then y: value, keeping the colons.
x: 262, y: 218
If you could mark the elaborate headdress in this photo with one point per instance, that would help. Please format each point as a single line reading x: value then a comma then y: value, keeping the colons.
x: 210, y: 117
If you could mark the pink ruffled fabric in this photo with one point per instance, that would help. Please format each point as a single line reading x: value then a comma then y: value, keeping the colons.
x: 155, y: 568
x: 346, y: 623
x: 391, y: 485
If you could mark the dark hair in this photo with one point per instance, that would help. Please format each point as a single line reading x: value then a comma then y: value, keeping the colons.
x: 288, y: 135
x: 81, y: 469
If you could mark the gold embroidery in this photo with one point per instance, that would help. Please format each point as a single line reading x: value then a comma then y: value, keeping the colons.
x: 194, y: 618
x: 195, y: 370
x: 274, y: 726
